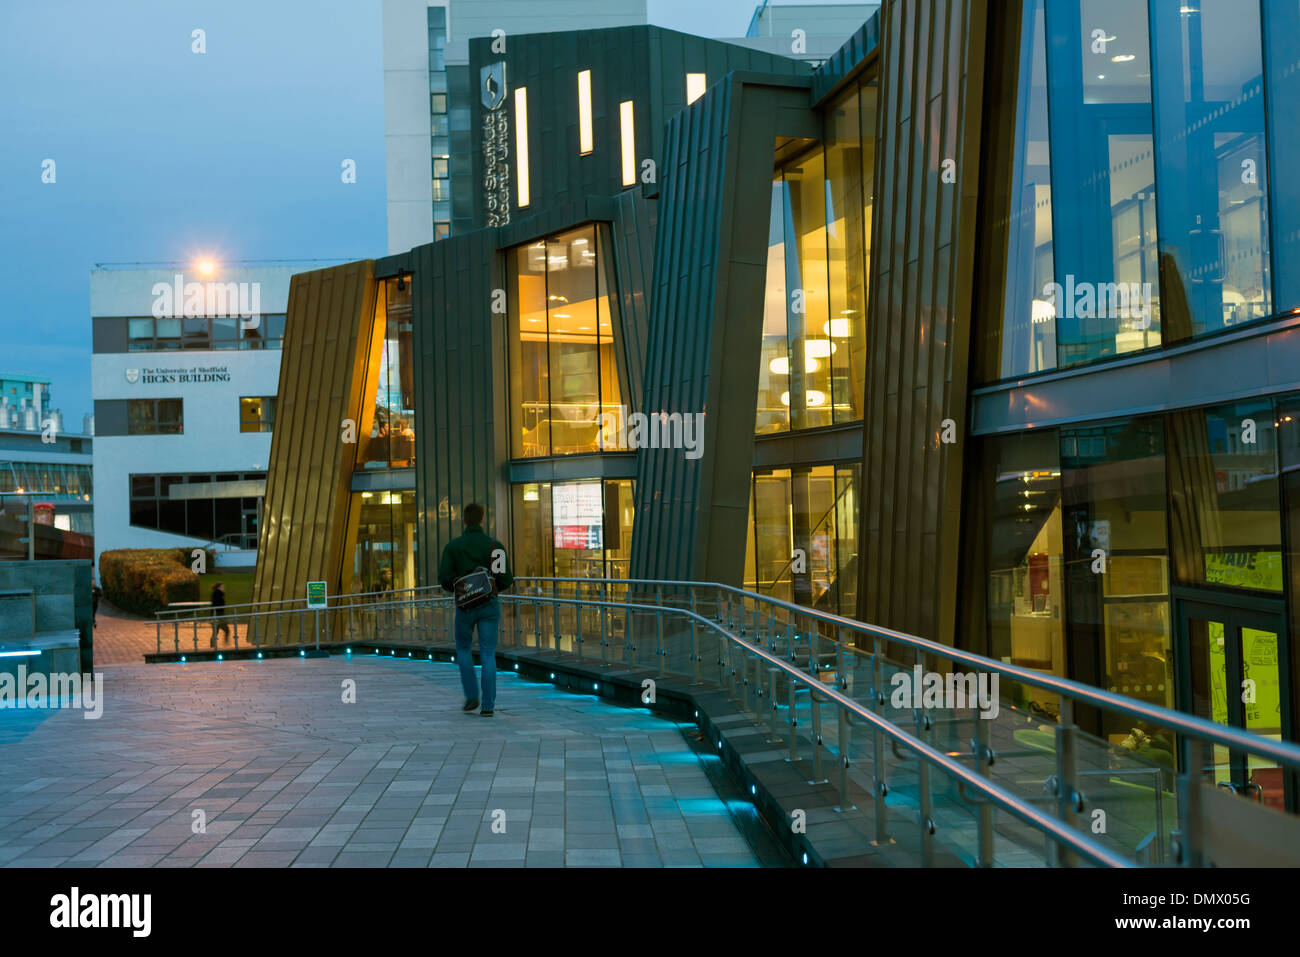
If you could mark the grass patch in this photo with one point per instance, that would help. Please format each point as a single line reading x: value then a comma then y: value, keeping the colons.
x: 239, y: 585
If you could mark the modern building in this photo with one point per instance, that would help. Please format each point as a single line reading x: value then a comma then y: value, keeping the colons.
x: 811, y: 32
x: 429, y: 89
x: 992, y: 322
x: 428, y: 92
x: 44, y: 467
x: 183, y: 376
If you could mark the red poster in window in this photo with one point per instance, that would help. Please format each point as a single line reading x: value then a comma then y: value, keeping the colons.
x: 577, y: 536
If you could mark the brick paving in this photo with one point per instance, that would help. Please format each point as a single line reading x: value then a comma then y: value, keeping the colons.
x: 123, y: 638
x: 287, y: 775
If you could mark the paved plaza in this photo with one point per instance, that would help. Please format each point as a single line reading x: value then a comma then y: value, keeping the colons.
x: 286, y: 773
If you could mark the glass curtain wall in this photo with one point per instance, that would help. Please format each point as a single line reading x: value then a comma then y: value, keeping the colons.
x: 384, y: 554
x: 1213, y: 169
x: 563, y: 372
x: 1088, y: 543
x: 1099, y: 261
x: 572, y: 529
x: 390, y: 428
x: 801, y: 544
x: 812, y: 369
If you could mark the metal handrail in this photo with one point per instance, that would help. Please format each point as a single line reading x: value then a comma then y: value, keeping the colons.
x: 267, y: 616
x: 1057, y: 830
x: 1281, y: 751
x: 337, y: 600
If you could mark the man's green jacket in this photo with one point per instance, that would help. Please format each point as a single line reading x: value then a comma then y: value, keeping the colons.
x: 468, y: 551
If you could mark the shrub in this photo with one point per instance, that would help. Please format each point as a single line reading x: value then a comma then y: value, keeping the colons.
x: 146, y: 580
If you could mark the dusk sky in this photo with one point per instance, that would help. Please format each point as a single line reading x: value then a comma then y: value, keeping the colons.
x: 164, y: 155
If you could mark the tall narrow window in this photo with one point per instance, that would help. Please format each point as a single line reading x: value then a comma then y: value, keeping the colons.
x: 695, y: 86
x: 584, y: 112
x: 521, y: 144
x: 628, y: 138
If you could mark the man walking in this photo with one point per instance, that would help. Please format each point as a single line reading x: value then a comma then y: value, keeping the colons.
x: 218, y: 601
x: 468, y: 553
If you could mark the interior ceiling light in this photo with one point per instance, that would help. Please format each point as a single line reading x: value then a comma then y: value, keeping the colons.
x: 1122, y: 58
x: 781, y: 365
x: 818, y: 348
x: 838, y: 328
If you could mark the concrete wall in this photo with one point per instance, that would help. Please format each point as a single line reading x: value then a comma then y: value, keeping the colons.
x: 49, y: 603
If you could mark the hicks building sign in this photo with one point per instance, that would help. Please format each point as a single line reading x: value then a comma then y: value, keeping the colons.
x: 179, y: 376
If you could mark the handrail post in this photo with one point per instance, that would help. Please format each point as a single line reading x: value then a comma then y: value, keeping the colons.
x: 794, y: 722
x: 628, y: 644
x: 604, y: 628
x: 1187, y: 841
x: 1068, y: 798
x: 695, y: 652
x: 817, y: 736
x: 843, y: 716
x: 984, y: 855
x: 880, y: 784
x: 659, y: 632
x: 771, y: 685
x: 925, y: 811
x: 157, y: 647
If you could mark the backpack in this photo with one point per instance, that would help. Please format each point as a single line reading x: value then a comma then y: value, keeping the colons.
x: 474, y: 589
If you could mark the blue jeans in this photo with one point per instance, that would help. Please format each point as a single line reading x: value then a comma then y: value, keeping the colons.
x: 487, y: 617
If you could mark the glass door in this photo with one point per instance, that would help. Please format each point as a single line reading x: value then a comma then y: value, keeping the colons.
x: 1231, y: 676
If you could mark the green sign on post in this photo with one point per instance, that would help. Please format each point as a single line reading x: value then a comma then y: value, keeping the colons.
x: 316, y: 595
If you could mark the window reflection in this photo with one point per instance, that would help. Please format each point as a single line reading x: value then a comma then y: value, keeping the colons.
x: 1113, y: 492
x: 391, y: 426
x: 801, y: 544
x: 812, y: 365
x: 384, y: 551
x: 1282, y: 39
x: 572, y: 529
x: 1103, y: 173
x: 1024, y: 546
x: 1213, y: 220
x: 1226, y: 522
x: 563, y: 371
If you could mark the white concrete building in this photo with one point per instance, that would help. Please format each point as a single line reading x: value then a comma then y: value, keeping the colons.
x: 184, y: 375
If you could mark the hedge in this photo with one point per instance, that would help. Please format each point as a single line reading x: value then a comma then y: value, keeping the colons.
x: 146, y: 580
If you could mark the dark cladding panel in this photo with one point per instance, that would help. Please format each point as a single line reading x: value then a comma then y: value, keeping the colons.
x: 460, y: 437
x: 711, y: 252
x: 919, y: 335
x: 644, y: 64
x: 633, y: 245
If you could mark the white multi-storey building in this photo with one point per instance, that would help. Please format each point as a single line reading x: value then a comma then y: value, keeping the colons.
x: 184, y: 374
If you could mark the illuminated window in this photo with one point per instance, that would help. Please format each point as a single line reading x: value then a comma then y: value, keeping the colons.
x: 389, y: 422
x: 563, y: 371
x: 256, y: 413
x: 695, y: 85
x: 584, y: 112
x: 628, y: 136
x: 521, y: 144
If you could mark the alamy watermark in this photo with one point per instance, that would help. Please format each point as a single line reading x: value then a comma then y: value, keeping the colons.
x: 1105, y: 300
x: 919, y: 688
x: 217, y: 299
x: 38, y: 691
x: 655, y: 430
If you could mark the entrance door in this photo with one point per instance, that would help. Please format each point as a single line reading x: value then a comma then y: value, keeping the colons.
x: 1231, y: 675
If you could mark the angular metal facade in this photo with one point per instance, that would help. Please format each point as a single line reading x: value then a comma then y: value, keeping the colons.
x: 918, y: 338
x: 329, y: 337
